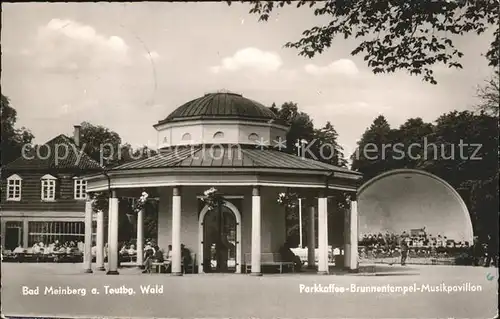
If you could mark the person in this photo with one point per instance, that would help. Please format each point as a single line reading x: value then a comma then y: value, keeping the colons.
x: 93, y: 250
x: 222, y: 254
x: 287, y: 255
x: 492, y: 252
x: 154, y: 255
x: 168, y: 255
x: 186, y: 258
x: 404, y: 252
x: 131, y: 251
x: 476, y: 251
x: 35, y: 249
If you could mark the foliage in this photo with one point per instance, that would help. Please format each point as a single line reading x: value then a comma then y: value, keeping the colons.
x: 141, y: 202
x: 212, y: 198
x: 489, y: 95
x: 100, y: 143
x: 13, y: 138
x: 370, y: 158
x: 100, y: 201
x: 394, y: 34
x: 105, y: 146
x: 289, y: 199
x: 327, y: 147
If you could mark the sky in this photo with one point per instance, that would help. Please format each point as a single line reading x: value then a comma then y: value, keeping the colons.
x: 126, y: 66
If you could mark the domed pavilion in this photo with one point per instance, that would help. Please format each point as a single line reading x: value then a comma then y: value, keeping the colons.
x: 235, y: 145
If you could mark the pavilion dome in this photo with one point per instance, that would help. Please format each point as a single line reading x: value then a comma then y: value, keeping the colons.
x: 221, y: 105
x: 220, y: 118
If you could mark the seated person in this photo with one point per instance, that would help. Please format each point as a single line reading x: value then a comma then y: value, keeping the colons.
x: 154, y: 255
x: 287, y: 255
x: 35, y: 249
x: 168, y: 255
x: 18, y: 250
x: 186, y: 256
x: 131, y: 250
x: 124, y: 250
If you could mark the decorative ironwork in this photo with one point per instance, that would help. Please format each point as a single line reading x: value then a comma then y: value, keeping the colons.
x: 139, y: 204
x: 288, y: 199
x: 212, y: 198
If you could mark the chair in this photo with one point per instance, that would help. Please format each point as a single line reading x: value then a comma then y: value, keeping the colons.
x: 158, y: 266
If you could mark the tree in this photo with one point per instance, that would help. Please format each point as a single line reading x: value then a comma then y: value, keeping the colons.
x: 489, y: 95
x: 300, y: 126
x: 13, y: 139
x: 105, y: 146
x: 407, y: 144
x: 396, y: 34
x: 327, y: 148
x: 466, y: 156
x: 370, y: 157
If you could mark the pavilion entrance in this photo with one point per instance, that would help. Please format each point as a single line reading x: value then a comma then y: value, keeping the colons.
x: 220, y: 240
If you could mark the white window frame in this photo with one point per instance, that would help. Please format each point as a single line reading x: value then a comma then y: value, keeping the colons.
x: 78, y: 183
x: 51, y: 181
x: 11, y: 185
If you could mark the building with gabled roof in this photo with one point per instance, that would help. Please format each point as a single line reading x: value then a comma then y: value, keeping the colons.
x: 43, y: 193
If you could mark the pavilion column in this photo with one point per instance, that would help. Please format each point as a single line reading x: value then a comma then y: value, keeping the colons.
x: 87, y: 255
x: 353, y: 220
x: 140, y: 237
x: 176, y: 232
x: 347, y: 238
x: 26, y: 225
x: 311, y: 238
x: 322, y: 235
x: 3, y: 224
x: 99, y: 256
x: 256, y: 236
x: 113, y: 235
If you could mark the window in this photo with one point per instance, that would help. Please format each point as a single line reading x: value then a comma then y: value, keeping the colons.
x: 80, y: 188
x: 253, y: 137
x: 49, y: 232
x: 186, y: 137
x: 219, y: 135
x: 48, y: 187
x: 14, y: 187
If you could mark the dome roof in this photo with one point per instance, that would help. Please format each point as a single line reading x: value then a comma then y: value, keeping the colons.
x: 221, y: 106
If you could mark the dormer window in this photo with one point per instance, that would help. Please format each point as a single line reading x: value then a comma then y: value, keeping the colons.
x: 48, y: 187
x: 14, y: 187
x: 253, y: 137
x: 186, y: 137
x: 80, y: 188
x: 218, y: 135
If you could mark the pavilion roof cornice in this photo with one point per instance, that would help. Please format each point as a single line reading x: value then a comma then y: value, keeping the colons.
x: 163, y: 177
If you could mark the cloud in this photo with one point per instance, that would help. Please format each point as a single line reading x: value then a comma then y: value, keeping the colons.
x: 250, y: 58
x: 69, y: 45
x: 342, y: 66
x: 153, y: 55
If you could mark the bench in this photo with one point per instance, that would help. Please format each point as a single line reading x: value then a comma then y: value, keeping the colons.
x: 158, y: 266
x: 268, y: 259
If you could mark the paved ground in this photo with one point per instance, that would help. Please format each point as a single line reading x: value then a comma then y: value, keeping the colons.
x: 244, y: 296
